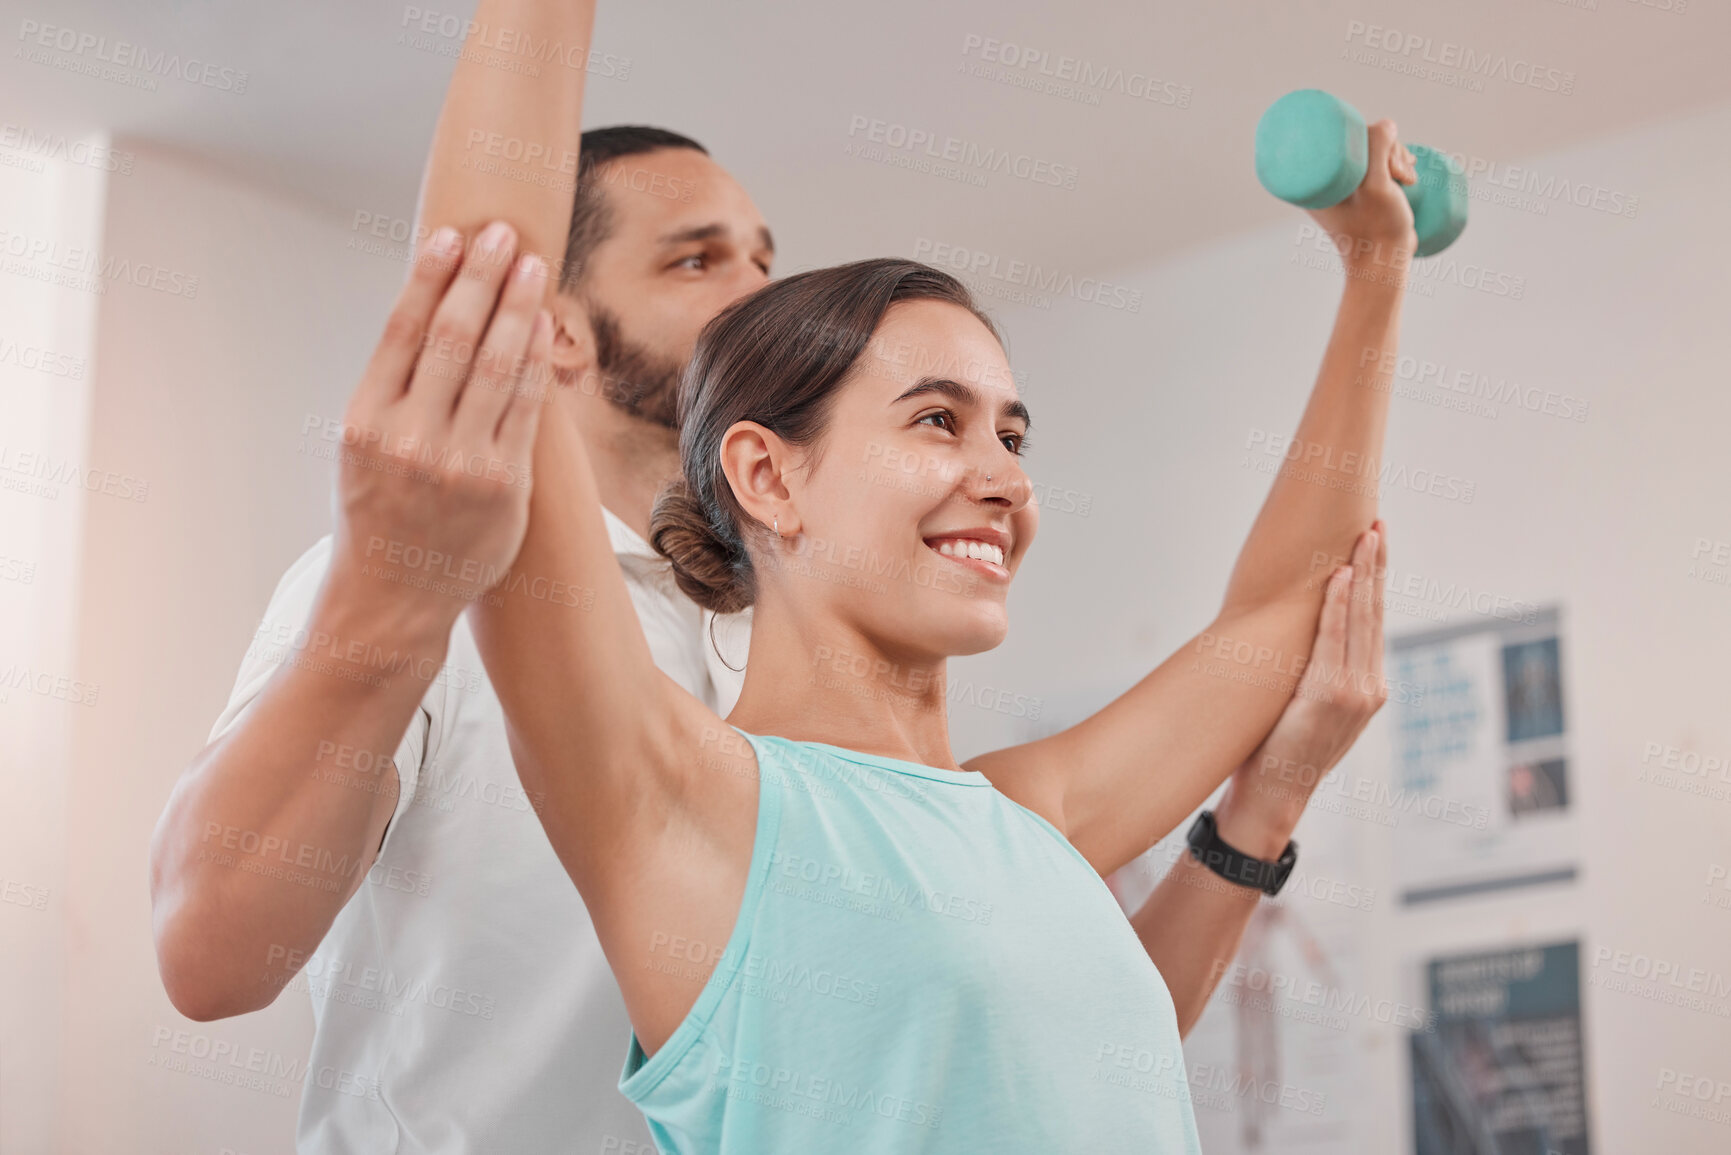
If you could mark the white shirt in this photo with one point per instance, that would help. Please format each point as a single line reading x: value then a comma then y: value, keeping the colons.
x: 461, y: 1001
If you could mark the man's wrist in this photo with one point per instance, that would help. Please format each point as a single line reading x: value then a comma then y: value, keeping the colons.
x: 358, y: 614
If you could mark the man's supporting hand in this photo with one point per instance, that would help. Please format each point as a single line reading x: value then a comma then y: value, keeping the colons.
x: 433, y: 494
x: 1192, y: 923
x: 1341, y: 689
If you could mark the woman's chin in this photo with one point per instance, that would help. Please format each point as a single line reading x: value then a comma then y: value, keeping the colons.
x: 981, y: 632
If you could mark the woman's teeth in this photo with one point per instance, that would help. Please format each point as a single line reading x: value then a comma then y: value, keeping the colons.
x: 978, y: 550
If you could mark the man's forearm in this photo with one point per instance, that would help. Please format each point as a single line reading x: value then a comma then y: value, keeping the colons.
x: 271, y: 829
x: 1192, y: 923
x: 269, y: 832
x: 1325, y: 491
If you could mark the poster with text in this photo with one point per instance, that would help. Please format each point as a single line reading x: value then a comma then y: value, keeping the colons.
x: 1481, y: 776
x: 1502, y: 1072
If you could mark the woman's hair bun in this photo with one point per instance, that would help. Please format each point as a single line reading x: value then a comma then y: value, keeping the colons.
x: 709, y: 570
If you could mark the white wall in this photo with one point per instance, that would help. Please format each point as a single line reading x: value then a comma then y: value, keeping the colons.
x: 1149, y: 415
x: 200, y: 394
x: 49, y: 212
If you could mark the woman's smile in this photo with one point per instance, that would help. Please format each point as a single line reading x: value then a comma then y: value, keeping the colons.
x: 980, y: 550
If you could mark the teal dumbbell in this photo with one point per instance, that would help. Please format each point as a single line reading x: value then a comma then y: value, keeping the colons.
x: 1312, y: 150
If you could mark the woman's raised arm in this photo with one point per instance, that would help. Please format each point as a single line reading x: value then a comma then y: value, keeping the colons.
x: 505, y: 148
x: 615, y: 749
x: 1118, y: 781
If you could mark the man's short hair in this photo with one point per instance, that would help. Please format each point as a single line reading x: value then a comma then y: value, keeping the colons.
x: 591, y: 214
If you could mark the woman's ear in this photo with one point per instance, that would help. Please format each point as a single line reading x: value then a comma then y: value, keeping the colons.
x: 754, y: 461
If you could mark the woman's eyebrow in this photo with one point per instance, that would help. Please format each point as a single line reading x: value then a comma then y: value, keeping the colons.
x: 963, y: 394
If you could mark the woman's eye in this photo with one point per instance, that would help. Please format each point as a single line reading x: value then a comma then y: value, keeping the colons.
x: 1016, y: 443
x: 941, y: 414
x: 692, y: 262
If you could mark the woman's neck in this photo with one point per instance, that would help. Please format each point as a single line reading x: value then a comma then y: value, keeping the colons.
x: 823, y: 682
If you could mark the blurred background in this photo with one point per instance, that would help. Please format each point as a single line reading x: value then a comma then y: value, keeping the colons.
x: 1511, y: 927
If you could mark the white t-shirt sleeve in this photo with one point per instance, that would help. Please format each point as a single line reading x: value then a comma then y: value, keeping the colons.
x: 289, y: 610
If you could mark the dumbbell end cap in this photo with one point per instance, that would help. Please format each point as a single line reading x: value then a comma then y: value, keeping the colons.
x: 1311, y: 149
x: 1439, y: 200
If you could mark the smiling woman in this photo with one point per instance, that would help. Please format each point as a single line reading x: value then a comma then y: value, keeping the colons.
x: 759, y: 363
x: 861, y: 895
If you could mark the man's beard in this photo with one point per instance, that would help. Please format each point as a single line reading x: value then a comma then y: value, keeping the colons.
x: 640, y: 382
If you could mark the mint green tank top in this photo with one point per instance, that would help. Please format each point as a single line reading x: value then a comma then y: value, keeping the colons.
x: 919, y: 964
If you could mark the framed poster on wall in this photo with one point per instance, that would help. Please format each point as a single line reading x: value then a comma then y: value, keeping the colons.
x: 1481, y: 759
x: 1502, y: 1073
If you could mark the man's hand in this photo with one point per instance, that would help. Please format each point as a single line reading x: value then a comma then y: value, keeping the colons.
x: 1374, y: 226
x: 433, y: 493
x: 1341, y: 690
x: 1192, y: 922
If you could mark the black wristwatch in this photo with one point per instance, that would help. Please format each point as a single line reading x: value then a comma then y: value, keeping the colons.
x: 1235, y: 866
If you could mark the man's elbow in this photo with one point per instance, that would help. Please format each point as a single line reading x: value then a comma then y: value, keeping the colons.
x: 204, y: 995
x: 198, y: 980
x: 202, y: 1005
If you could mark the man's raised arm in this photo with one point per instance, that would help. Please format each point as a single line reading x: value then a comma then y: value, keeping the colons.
x: 435, y: 458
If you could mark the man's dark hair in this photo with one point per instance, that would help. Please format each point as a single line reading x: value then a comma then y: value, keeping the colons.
x: 591, y: 214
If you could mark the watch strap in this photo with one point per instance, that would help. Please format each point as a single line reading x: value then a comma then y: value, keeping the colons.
x: 1232, y: 864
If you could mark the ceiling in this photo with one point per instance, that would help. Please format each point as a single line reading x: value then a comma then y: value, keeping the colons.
x: 338, y: 111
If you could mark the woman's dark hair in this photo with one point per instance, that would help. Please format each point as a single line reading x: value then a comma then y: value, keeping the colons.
x: 777, y: 357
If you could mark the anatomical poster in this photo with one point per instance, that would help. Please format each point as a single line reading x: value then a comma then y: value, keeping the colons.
x: 1481, y: 776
